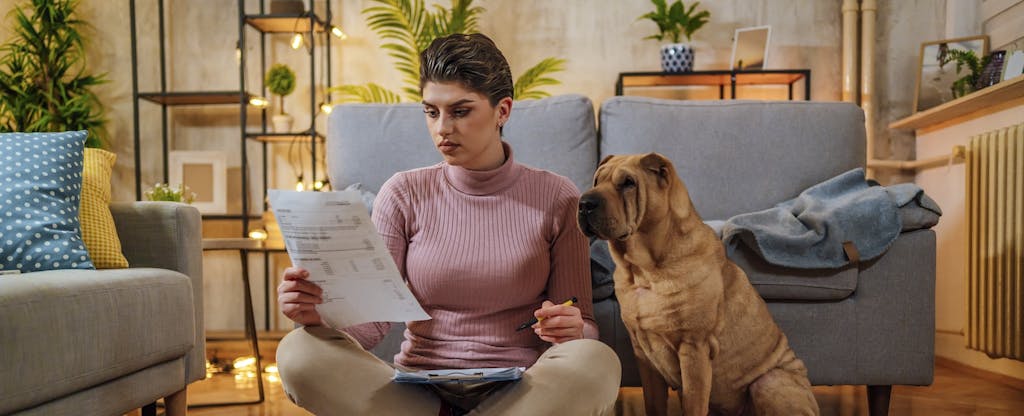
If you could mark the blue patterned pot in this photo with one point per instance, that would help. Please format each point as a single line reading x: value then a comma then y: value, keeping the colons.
x: 677, y: 57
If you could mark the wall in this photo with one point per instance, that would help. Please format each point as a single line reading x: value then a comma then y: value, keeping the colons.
x: 1003, y: 21
x: 598, y: 38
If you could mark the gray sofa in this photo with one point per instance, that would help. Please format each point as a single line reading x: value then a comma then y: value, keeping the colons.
x: 104, y: 342
x: 867, y: 324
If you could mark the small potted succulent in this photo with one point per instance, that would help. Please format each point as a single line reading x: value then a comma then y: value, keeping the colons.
x: 673, y: 22
x: 280, y: 80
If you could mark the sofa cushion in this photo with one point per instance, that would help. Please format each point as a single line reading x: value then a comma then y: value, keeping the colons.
x: 98, y: 230
x: 739, y: 156
x: 370, y: 142
x: 40, y: 185
x: 771, y: 282
x: 558, y: 134
x: 64, y: 331
x: 783, y: 283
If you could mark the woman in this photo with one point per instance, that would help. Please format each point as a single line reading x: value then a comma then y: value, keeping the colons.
x: 484, y: 243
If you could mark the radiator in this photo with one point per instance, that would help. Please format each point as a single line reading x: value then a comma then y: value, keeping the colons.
x: 995, y: 246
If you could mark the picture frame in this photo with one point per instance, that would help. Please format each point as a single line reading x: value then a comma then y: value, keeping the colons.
x: 750, y: 48
x: 936, y: 74
x: 205, y: 172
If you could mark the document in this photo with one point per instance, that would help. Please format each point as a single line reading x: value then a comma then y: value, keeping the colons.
x: 459, y: 375
x: 330, y: 235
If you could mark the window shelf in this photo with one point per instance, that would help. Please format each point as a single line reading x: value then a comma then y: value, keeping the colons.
x: 1003, y: 95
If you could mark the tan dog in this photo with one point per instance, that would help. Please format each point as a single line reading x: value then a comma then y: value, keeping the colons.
x: 695, y: 321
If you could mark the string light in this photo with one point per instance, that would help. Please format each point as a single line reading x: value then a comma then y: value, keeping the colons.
x: 336, y: 31
x: 258, y: 234
x: 326, y: 108
x: 298, y: 40
x: 258, y: 101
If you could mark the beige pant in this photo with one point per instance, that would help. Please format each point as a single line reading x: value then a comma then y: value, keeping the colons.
x: 328, y: 373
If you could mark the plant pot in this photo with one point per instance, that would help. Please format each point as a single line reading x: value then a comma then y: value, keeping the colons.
x: 293, y: 7
x: 282, y: 123
x: 677, y: 57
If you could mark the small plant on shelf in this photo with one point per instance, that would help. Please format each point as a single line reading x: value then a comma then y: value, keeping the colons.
x: 280, y: 80
x: 966, y: 59
x: 163, y: 192
x: 675, y: 21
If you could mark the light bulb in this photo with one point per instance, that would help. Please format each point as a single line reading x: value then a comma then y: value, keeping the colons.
x: 326, y: 108
x: 258, y: 234
x: 336, y: 31
x: 318, y: 185
x: 243, y: 362
x: 297, y: 41
x: 259, y: 102
x: 299, y: 186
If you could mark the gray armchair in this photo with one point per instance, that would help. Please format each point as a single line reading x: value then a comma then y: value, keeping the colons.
x: 107, y: 341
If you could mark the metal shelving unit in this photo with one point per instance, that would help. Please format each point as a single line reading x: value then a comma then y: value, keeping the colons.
x: 310, y: 24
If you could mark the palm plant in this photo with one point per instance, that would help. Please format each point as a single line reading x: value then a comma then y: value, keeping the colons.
x: 43, y: 85
x: 408, y: 28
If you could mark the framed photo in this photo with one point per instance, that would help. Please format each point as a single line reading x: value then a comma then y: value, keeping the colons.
x: 205, y: 172
x: 936, y: 72
x: 750, y: 48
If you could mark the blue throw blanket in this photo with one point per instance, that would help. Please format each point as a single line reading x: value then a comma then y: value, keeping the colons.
x: 808, y: 232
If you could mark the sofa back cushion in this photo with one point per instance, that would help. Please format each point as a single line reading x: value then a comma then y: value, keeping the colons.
x: 739, y: 156
x: 367, y: 143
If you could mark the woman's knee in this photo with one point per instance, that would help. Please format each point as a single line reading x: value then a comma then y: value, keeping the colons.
x: 589, y: 357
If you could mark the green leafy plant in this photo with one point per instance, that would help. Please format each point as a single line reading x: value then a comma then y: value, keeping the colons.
x: 43, y: 84
x: 408, y: 27
x: 280, y: 80
x: 163, y: 192
x: 675, y: 20
x: 969, y: 60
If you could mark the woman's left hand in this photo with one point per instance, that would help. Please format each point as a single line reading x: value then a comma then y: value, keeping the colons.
x: 558, y: 323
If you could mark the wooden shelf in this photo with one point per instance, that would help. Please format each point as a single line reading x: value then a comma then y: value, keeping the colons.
x: 1003, y: 95
x: 195, y: 97
x: 301, y: 137
x: 280, y: 23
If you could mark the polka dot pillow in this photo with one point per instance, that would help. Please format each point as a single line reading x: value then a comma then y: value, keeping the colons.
x: 40, y: 185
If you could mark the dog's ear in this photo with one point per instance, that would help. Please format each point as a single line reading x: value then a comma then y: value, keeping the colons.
x: 658, y: 165
x: 605, y: 159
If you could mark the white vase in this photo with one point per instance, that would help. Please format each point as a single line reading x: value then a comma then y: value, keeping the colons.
x: 282, y: 123
x: 677, y: 57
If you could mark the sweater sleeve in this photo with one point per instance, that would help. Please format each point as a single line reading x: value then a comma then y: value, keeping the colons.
x: 570, y: 254
x: 389, y: 208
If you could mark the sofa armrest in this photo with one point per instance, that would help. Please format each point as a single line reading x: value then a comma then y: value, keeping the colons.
x: 167, y: 235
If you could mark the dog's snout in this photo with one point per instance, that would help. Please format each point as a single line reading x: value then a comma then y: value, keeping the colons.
x: 589, y: 203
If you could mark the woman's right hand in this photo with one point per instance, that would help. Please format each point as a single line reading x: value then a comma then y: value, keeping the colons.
x: 297, y: 297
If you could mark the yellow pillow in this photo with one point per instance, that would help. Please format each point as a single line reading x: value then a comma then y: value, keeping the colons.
x: 98, y: 229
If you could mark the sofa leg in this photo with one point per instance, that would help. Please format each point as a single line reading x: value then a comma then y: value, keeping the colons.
x: 177, y: 403
x: 878, y: 400
x: 149, y: 409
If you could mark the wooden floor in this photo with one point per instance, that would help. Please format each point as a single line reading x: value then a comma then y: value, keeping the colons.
x: 956, y: 391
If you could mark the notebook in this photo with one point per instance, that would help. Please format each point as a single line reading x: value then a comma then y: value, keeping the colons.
x: 459, y: 375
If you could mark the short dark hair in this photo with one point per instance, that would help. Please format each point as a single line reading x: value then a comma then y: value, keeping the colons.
x: 472, y: 60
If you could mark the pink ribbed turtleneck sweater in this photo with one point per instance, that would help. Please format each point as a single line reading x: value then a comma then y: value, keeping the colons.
x: 480, y: 250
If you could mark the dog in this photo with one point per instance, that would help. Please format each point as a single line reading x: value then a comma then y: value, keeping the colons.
x: 696, y: 323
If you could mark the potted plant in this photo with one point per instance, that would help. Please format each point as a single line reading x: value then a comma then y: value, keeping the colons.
x: 972, y: 80
x: 280, y: 80
x: 674, y: 21
x: 44, y: 80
